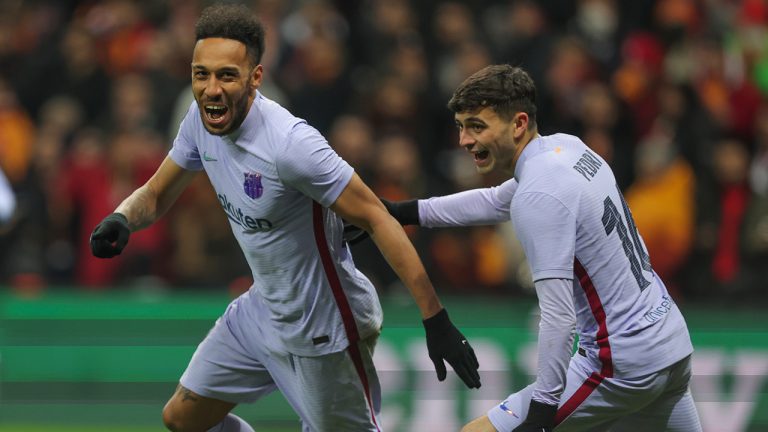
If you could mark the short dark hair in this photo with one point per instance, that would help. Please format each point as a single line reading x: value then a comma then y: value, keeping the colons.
x: 231, y: 21
x: 506, y: 89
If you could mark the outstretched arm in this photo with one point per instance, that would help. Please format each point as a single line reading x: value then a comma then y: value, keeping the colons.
x: 359, y: 205
x: 144, y: 206
x: 147, y: 203
x: 486, y: 206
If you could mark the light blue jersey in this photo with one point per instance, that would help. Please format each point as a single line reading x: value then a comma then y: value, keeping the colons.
x: 633, y: 366
x: 578, y: 226
x: 275, y: 177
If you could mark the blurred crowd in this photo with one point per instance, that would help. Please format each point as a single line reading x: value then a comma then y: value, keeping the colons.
x: 672, y: 93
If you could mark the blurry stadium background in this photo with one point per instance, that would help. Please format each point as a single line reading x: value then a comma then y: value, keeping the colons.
x: 673, y: 93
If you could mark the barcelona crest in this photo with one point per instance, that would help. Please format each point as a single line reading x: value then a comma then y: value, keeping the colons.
x: 252, y: 185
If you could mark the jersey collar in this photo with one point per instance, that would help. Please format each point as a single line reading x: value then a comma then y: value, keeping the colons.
x: 533, y: 148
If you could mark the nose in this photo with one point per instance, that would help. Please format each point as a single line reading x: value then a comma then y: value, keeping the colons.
x: 212, y: 88
x: 465, y: 139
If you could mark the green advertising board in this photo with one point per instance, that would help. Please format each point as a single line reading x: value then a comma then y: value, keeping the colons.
x: 76, y: 361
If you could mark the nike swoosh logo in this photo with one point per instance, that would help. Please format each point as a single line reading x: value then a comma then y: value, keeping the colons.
x: 208, y: 158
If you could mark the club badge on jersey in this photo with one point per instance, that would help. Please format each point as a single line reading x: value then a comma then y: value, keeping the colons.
x: 252, y: 185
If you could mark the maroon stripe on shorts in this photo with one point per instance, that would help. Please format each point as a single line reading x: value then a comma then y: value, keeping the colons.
x: 341, y: 302
x: 579, y: 396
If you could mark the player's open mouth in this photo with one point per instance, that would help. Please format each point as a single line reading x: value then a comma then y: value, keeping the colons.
x: 481, y: 156
x: 216, y: 115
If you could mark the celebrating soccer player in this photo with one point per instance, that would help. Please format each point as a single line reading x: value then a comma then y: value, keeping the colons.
x: 591, y: 271
x: 309, y: 323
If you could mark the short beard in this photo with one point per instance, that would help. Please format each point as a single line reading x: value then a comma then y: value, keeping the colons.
x: 240, y: 110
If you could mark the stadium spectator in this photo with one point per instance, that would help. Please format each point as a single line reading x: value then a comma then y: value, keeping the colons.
x: 604, y: 125
x: 662, y: 203
x: 97, y: 174
x: 721, y: 214
x: 16, y: 135
x: 352, y: 137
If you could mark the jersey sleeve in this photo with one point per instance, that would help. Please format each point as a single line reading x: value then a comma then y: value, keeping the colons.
x: 311, y: 166
x: 555, y: 342
x: 184, y: 150
x: 485, y: 206
x: 547, y: 230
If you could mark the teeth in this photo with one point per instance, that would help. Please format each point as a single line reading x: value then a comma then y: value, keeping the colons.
x: 214, y: 108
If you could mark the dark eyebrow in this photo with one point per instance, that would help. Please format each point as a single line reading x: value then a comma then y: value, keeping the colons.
x: 230, y: 69
x: 473, y: 120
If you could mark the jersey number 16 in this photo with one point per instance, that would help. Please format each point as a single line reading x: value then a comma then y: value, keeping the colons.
x: 630, y: 239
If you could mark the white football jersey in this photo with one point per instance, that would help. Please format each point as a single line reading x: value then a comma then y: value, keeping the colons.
x: 573, y: 223
x: 275, y: 177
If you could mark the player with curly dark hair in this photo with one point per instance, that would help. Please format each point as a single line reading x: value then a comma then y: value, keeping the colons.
x: 309, y: 323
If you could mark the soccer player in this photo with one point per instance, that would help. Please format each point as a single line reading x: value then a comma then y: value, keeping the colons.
x: 590, y: 267
x: 309, y: 323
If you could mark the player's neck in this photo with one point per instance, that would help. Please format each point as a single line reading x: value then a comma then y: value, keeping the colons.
x: 520, y: 144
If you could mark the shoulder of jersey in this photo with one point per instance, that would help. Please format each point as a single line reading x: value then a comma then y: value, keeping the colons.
x: 559, y: 148
x: 553, y: 165
x: 279, y: 118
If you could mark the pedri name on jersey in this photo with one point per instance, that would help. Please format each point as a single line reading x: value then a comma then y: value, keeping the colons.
x: 250, y: 224
x: 588, y: 165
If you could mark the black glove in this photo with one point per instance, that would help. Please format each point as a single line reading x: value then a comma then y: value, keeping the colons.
x: 541, y: 418
x: 444, y: 341
x: 406, y: 212
x: 110, y: 236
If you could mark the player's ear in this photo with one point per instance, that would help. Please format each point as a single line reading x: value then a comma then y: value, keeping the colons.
x: 520, y: 124
x: 254, y: 81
